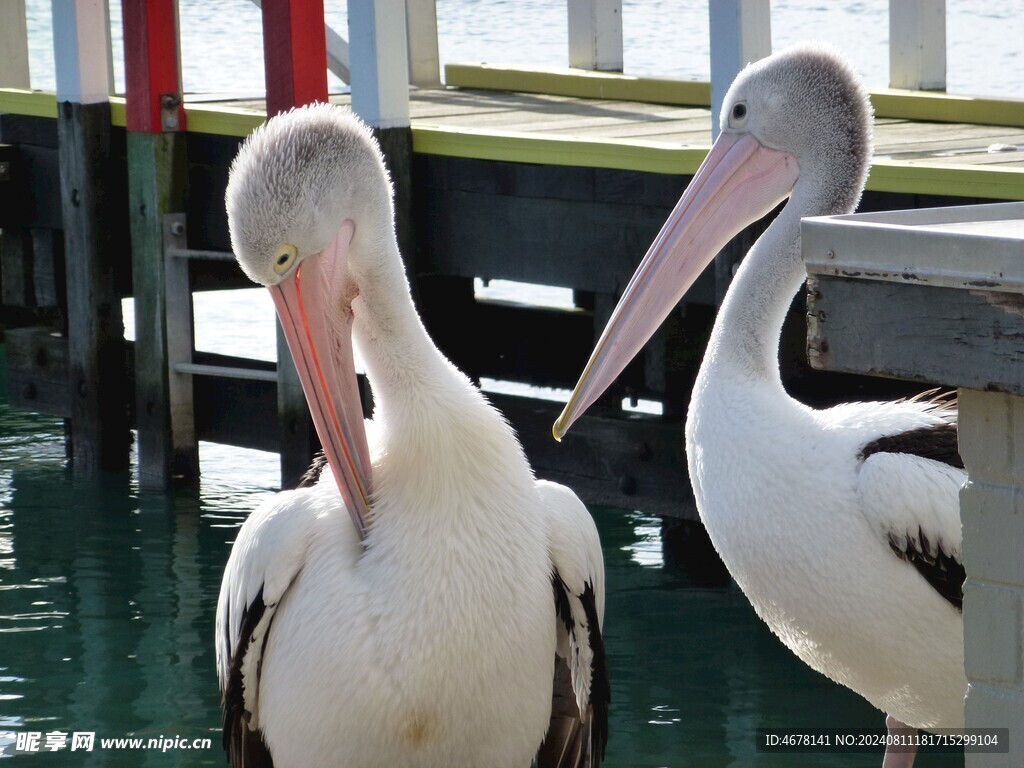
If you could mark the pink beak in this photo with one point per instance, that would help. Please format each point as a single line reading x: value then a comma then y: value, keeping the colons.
x: 317, y: 322
x: 739, y: 182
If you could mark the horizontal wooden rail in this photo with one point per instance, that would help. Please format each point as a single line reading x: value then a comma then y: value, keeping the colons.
x: 580, y: 83
x: 225, y: 372
x: 897, y: 176
x: 888, y: 102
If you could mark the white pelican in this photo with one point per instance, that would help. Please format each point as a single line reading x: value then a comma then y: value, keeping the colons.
x: 841, y: 526
x: 435, y: 640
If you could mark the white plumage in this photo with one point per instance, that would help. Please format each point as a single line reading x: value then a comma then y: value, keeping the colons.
x: 433, y: 642
x: 840, y: 525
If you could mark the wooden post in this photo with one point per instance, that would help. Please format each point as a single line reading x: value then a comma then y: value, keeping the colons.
x: 991, y: 436
x: 380, y: 96
x: 595, y: 34
x: 14, y: 72
x: 99, y: 404
x: 157, y: 177
x: 421, y: 26
x: 740, y: 33
x: 95, y: 337
x: 295, y: 56
x: 917, y: 44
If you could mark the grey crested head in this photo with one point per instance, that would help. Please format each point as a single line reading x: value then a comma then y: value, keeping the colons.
x: 293, y: 182
x: 808, y: 100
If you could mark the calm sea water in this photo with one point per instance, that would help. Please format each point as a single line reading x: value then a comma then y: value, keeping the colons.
x: 107, y: 598
x: 107, y: 595
x: 221, y: 48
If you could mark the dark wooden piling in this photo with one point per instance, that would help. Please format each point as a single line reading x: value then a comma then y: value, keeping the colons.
x: 157, y: 177
x: 88, y: 184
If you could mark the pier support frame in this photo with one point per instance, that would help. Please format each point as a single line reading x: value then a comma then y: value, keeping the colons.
x: 740, y: 33
x: 992, y: 510
x: 595, y: 34
x: 380, y: 96
x: 99, y: 405
x: 14, y: 71
x: 917, y: 44
x: 157, y: 177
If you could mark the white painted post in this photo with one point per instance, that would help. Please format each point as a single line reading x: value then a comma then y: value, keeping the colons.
x: 424, y: 62
x: 81, y: 41
x: 379, y: 62
x: 14, y: 44
x: 917, y: 44
x: 992, y: 511
x: 741, y: 32
x: 595, y: 34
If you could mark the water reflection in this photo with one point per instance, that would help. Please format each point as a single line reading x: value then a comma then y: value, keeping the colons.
x: 107, y: 598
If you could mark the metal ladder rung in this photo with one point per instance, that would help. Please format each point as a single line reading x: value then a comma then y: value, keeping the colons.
x: 190, y: 253
x: 224, y: 371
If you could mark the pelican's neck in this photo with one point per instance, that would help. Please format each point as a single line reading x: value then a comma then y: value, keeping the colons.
x: 745, y: 339
x: 410, y: 378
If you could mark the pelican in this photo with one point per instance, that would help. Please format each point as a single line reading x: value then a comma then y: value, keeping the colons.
x: 454, y: 620
x: 841, y: 526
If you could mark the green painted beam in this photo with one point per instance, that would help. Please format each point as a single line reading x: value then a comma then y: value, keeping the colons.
x: 888, y: 102
x: 579, y: 83
x: 546, y: 149
x: 947, y: 108
x: 919, y: 178
x: 911, y: 177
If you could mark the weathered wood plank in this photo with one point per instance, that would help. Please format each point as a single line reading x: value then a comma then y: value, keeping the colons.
x: 99, y: 403
x: 156, y: 183
x: 589, y: 246
x: 16, y: 272
x: 956, y: 337
x: 629, y: 464
x: 37, y: 371
x: 180, y: 343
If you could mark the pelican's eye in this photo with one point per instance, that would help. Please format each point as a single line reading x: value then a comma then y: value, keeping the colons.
x: 738, y: 114
x: 283, y: 259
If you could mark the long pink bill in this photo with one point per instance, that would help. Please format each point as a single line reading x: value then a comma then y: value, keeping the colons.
x: 739, y: 182
x: 312, y: 305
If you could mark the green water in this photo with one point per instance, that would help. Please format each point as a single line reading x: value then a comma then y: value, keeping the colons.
x: 107, y: 599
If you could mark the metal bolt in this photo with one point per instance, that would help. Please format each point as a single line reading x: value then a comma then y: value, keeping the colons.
x: 76, y: 198
x: 177, y: 228
x: 831, y: 254
x: 171, y: 122
x: 169, y: 101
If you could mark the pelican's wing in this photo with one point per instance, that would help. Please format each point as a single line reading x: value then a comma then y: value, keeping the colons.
x: 909, y: 486
x: 266, y: 557
x: 578, y: 729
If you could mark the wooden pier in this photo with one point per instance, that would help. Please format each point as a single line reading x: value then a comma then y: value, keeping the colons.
x: 551, y: 177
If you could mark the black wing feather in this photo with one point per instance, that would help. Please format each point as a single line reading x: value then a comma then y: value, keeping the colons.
x: 572, y: 740
x: 244, y: 746
x: 943, y: 571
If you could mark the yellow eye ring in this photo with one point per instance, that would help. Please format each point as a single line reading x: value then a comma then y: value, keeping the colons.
x: 283, y: 259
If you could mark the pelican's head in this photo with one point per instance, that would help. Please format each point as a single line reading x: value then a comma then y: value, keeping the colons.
x: 808, y: 102
x: 307, y: 197
x: 796, y: 123
x: 296, y: 180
